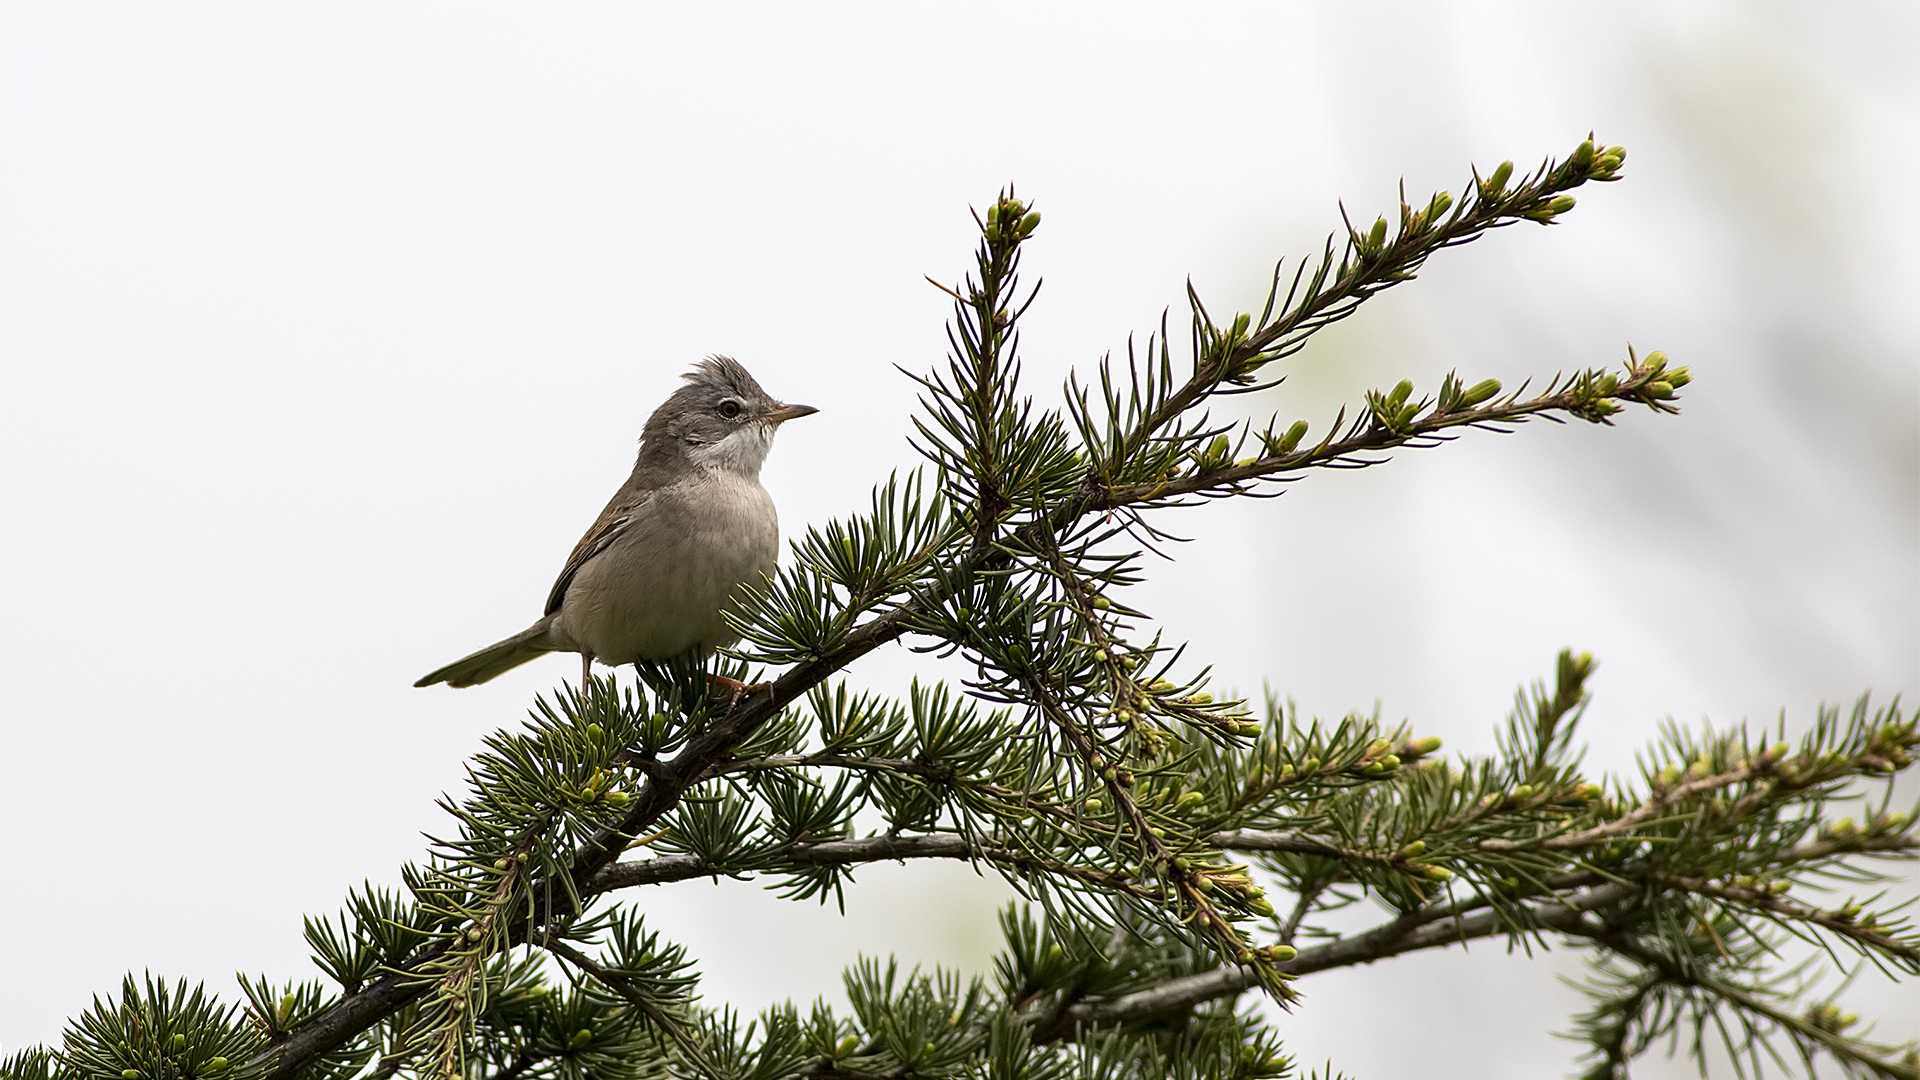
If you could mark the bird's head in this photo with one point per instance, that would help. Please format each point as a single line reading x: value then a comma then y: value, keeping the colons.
x: 720, y: 419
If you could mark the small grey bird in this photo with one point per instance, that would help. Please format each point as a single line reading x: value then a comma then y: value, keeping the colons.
x: 654, y: 576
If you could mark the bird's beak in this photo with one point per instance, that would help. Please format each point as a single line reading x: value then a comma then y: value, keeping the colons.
x: 790, y: 412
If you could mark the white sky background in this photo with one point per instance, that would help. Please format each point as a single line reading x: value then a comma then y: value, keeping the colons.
x: 325, y: 332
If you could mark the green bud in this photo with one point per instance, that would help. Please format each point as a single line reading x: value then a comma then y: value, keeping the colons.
x: 1389, y: 762
x: 1280, y: 954
x: 1523, y: 791
x: 1418, y: 847
x: 1428, y: 745
x: 1618, y: 153
x: 595, y: 731
x: 1029, y: 223
x: 1217, y: 450
x: 1293, y: 436
x: 1498, y: 181
x: 1181, y: 862
x: 1245, y: 956
x: 846, y: 1046
x: 1101, y: 603
x: 1843, y: 827
x: 1439, y: 873
x: 130, y: 1074
x: 581, y: 1038
x: 1560, y: 205
x: 1260, y: 906
x: 1659, y: 390
x: 1441, y: 202
x: 502, y: 864
x: 1656, y: 361
x: 1678, y: 377
x: 617, y: 798
x: 1100, y: 656
x: 1206, y: 884
x: 179, y: 1043
x: 218, y: 1064
x: 1607, y: 385
x: 1095, y: 806
x: 1582, y: 155
x: 1399, y: 394
x: 1312, y: 765
x: 1378, y: 234
x: 1479, y: 392
x: 1190, y: 800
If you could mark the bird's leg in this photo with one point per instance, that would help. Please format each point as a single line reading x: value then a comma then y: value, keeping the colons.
x: 734, y: 689
x: 586, y: 670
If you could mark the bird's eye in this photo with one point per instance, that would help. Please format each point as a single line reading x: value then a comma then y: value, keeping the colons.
x: 731, y: 409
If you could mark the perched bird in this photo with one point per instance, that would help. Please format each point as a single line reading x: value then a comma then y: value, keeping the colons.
x: 653, y: 578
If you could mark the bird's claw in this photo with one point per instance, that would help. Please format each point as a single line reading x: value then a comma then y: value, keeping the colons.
x: 733, y: 689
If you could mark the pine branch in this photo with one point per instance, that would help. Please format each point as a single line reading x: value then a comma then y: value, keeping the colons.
x: 1025, y: 511
x: 1661, y: 800
x: 1843, y: 922
x: 1434, y: 928
x: 1588, y: 395
x: 1820, y: 1028
x: 659, y: 1017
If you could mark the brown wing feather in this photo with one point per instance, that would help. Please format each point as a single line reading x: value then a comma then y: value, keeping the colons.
x: 612, y: 522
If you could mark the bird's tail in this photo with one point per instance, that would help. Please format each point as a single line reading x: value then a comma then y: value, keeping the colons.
x: 495, y: 659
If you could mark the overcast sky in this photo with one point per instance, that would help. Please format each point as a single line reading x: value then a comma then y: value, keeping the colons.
x: 326, y: 330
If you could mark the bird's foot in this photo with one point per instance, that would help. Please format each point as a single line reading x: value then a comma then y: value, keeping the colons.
x: 733, y: 689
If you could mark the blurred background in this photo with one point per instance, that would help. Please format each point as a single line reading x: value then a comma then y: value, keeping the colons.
x: 325, y: 331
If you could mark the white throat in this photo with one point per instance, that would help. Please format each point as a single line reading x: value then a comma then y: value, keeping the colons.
x: 741, y: 452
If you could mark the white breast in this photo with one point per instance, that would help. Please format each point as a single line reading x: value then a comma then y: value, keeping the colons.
x: 659, y: 590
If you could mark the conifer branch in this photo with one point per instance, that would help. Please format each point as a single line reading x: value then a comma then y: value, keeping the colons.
x: 1822, y: 1027
x: 1589, y: 395
x: 1843, y: 922
x: 1658, y: 802
x: 1434, y: 928
x: 1110, y: 790
x: 660, y: 1018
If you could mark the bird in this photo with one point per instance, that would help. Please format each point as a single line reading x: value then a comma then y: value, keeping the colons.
x: 656, y: 576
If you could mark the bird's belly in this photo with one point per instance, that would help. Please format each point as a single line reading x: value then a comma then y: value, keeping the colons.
x: 660, y: 590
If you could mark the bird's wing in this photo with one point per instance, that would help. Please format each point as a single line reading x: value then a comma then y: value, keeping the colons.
x: 614, y: 520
